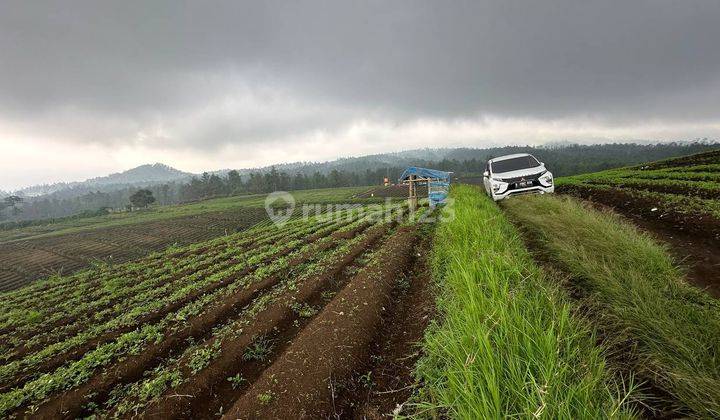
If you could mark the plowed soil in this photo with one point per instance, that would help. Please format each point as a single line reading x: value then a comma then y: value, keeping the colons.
x: 341, y: 322
x: 368, y: 331
x: 386, y: 384
x: 128, y: 369
x: 209, y: 391
x: 24, y: 261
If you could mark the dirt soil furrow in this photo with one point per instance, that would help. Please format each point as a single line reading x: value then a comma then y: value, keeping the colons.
x: 79, y: 326
x: 37, y: 263
x: 77, y: 352
x: 337, y: 343
x: 209, y: 391
x: 69, y: 404
x: 154, y: 316
x: 386, y: 385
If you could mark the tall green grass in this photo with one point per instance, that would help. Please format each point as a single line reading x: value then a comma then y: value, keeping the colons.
x: 506, y: 344
x: 637, y: 295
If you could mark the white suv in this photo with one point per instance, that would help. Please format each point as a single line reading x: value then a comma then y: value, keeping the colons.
x: 516, y: 174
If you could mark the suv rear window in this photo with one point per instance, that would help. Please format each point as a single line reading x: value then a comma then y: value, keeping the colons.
x: 514, y: 164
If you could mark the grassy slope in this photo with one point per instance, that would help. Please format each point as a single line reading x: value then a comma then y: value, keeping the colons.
x: 172, y: 211
x: 507, y: 344
x: 637, y: 295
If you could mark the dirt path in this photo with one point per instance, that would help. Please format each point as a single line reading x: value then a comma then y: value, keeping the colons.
x: 692, y: 238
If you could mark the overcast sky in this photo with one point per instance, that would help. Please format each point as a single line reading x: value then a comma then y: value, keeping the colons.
x: 92, y: 87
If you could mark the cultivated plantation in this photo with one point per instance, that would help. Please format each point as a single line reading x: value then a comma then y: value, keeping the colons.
x: 661, y: 332
x: 508, y: 343
x: 35, y: 252
x: 684, y: 192
x: 535, y: 307
x: 228, y: 325
x: 361, y: 210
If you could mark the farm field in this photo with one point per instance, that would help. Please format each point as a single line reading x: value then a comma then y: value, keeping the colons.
x: 677, y: 200
x: 268, y: 322
x: 40, y: 251
x: 23, y: 261
x: 541, y: 306
x: 327, y: 195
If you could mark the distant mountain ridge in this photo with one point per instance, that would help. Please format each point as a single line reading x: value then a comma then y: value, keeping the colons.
x: 157, y: 172
x: 142, y: 175
x: 407, y: 158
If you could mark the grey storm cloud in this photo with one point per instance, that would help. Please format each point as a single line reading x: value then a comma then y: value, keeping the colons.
x: 141, y: 62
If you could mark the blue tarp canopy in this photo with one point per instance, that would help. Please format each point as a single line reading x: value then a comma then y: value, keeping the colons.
x: 438, y: 182
x: 425, y: 173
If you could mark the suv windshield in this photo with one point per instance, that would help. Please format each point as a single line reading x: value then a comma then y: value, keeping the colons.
x: 514, y: 164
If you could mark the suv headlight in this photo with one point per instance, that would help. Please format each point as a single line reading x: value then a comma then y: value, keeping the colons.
x: 498, y: 185
x: 546, y: 179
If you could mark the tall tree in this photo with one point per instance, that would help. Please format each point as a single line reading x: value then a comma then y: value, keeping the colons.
x: 235, y: 183
x: 142, y: 198
x: 215, y: 186
x: 12, y: 202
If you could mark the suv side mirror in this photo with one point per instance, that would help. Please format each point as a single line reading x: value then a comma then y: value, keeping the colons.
x: 486, y: 174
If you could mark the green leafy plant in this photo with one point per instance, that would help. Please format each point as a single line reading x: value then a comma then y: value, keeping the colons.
x: 259, y: 350
x: 303, y: 310
x: 636, y: 294
x: 202, y: 358
x: 366, y: 380
x: 237, y: 381
x: 265, y: 397
x: 508, y: 344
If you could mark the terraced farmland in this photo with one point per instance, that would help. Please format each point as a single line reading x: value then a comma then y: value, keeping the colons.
x: 541, y: 307
x: 210, y: 328
x: 677, y: 200
x: 662, y: 334
x: 682, y: 191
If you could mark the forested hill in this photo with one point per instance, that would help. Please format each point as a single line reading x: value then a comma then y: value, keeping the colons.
x: 171, y: 186
x: 143, y: 175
